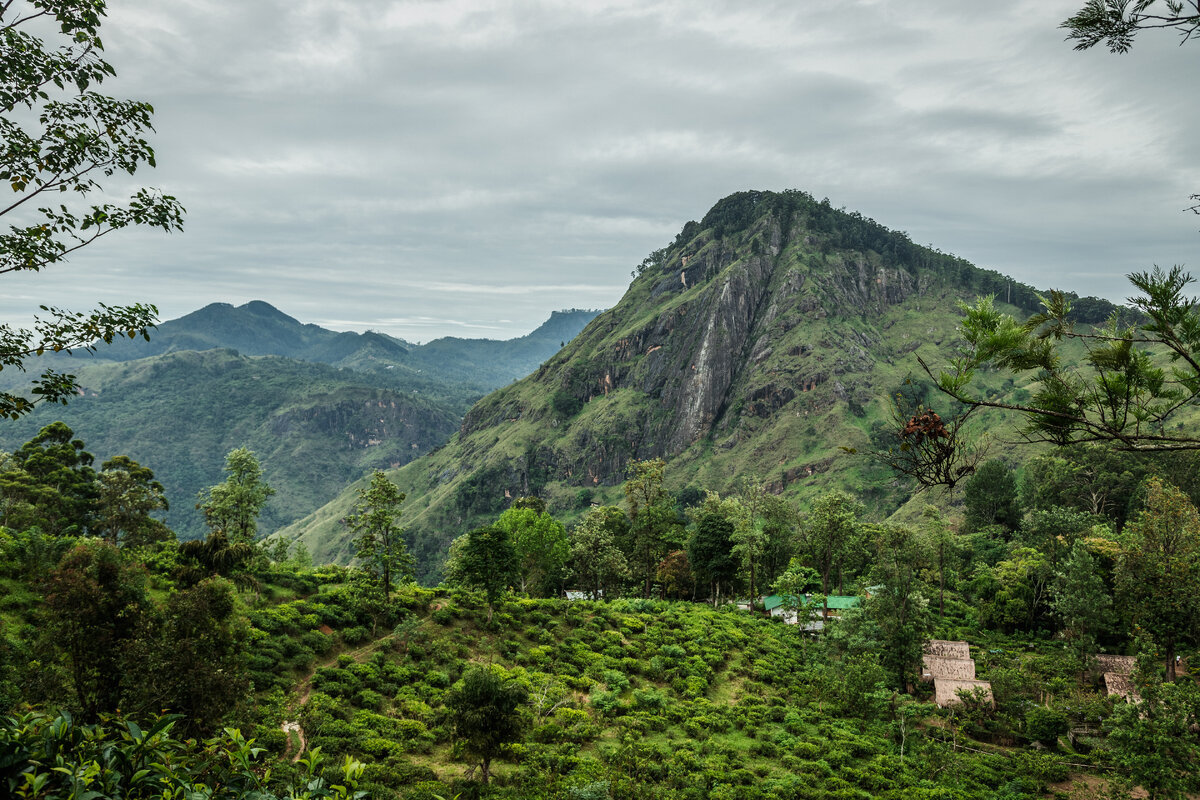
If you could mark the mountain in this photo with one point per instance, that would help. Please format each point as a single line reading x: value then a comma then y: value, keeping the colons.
x: 447, y: 366
x: 763, y: 340
x: 495, y: 362
x: 254, y: 329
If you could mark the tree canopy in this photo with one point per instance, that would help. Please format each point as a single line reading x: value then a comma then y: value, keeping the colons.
x: 62, y: 138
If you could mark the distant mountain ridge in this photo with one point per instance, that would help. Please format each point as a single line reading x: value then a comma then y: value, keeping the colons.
x: 259, y: 329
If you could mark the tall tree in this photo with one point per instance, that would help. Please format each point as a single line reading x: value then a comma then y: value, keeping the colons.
x: 61, y: 138
x: 485, y: 710
x: 779, y: 525
x: 596, y: 559
x: 50, y: 483
x: 232, y: 506
x: 378, y: 537
x: 653, y: 522
x: 128, y: 495
x: 943, y: 549
x: 1158, y: 570
x: 1081, y: 600
x: 488, y: 561
x: 750, y: 537
x: 94, y: 606
x: 710, y: 546
x: 828, y: 533
x: 897, y: 604
x: 541, y: 545
x: 990, y: 496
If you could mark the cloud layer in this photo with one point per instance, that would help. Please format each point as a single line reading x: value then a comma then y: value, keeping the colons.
x: 455, y: 167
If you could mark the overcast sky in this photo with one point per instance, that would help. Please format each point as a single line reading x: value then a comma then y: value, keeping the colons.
x: 463, y: 168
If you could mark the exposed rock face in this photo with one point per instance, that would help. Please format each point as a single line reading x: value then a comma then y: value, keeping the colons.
x: 723, y: 308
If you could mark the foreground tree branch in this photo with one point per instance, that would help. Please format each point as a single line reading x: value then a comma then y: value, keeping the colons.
x: 1134, y: 377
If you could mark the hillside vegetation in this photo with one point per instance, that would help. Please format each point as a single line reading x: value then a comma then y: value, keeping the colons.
x: 761, y: 342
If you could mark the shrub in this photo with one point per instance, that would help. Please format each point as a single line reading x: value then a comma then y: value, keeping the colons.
x: 437, y: 679
x: 356, y: 635
x: 1045, y: 725
x: 615, y: 681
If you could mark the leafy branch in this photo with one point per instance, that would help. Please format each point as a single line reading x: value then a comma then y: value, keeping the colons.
x: 1133, y: 377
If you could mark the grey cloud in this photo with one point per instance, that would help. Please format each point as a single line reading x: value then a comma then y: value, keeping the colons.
x: 342, y: 159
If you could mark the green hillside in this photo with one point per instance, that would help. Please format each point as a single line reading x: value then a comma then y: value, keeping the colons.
x: 625, y: 699
x: 765, y: 339
x: 314, y: 428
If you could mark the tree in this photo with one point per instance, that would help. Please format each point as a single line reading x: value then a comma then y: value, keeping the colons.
x: 379, y: 539
x: 779, y: 525
x: 749, y: 532
x: 128, y: 494
x: 1016, y: 591
x: 61, y: 138
x: 710, y: 547
x: 990, y: 496
x: 489, y: 562
x: 1092, y: 478
x: 50, y: 483
x: 1133, y: 377
x: 1117, y: 22
x: 191, y: 658
x: 1081, y: 600
x: 94, y: 606
x: 653, y: 523
x: 1153, y: 739
x: 943, y: 550
x: 232, y: 507
x: 541, y: 545
x: 596, y: 560
x: 1055, y: 531
x: 827, y: 534
x: 897, y: 606
x: 485, y: 710
x: 675, y: 575
x: 1158, y: 570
